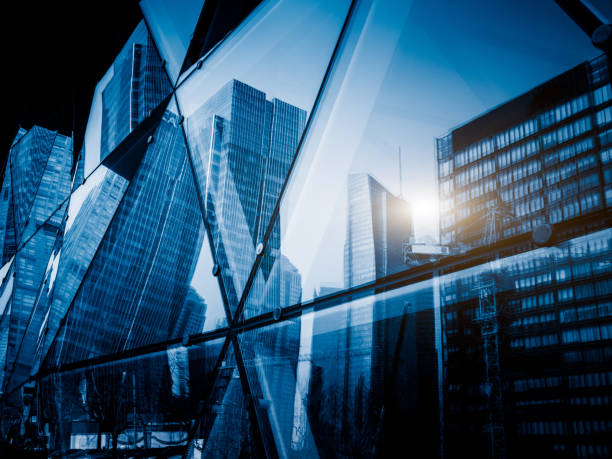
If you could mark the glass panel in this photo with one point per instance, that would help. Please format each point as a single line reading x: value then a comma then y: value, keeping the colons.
x: 6, y: 297
x: 393, y: 133
x: 225, y: 429
x: 245, y: 112
x: 39, y: 165
x: 483, y: 358
x: 172, y: 27
x: 216, y: 22
x: 152, y: 276
x: 53, y: 188
x: 144, y: 405
x: 134, y: 85
x: 28, y: 274
x: 90, y: 210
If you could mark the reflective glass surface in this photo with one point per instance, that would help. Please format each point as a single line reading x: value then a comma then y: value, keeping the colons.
x: 437, y: 362
x: 425, y: 145
x: 360, y: 228
x: 151, y: 277
x: 132, y: 87
x: 245, y: 111
x: 143, y: 405
x: 172, y: 27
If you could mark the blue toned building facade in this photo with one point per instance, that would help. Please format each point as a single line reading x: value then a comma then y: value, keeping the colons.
x: 35, y: 189
x: 137, y: 85
x: 540, y: 325
x: 225, y: 269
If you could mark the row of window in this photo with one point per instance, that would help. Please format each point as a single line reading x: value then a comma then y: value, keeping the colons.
x: 574, y: 207
x: 597, y: 379
x: 602, y: 94
x: 563, y: 111
x: 555, y: 115
x: 590, y: 311
x: 542, y: 428
x: 594, y: 400
x: 566, y: 132
x: 587, y: 334
x: 534, y: 320
x: 523, y: 385
x: 530, y: 342
x: 567, y: 152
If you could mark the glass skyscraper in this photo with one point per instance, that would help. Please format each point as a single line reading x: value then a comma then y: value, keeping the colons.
x: 36, y: 185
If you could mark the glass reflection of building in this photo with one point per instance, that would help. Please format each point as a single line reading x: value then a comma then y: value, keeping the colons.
x: 526, y: 369
x: 376, y: 357
x: 138, y: 84
x: 138, y: 283
x: 244, y: 152
x: 541, y: 158
x: 36, y: 183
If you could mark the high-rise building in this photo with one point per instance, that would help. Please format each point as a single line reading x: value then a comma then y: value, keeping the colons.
x: 242, y: 158
x: 243, y: 155
x: 526, y: 338
x: 143, y: 266
x: 541, y: 158
x: 137, y: 85
x: 353, y: 346
x: 378, y: 225
x: 36, y: 186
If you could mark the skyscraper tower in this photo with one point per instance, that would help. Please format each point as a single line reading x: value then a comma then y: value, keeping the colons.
x: 378, y: 224
x: 36, y: 184
x: 137, y: 86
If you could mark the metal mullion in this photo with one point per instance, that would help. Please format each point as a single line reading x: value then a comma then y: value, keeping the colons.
x: 207, y: 395
x: 264, y: 241
x: 250, y: 400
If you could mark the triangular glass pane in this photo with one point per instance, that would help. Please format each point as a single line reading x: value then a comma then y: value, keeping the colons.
x: 142, y: 406
x: 245, y: 113
x: 6, y: 297
x: 172, y: 26
x: 270, y: 357
x: 90, y: 211
x: 152, y: 277
x: 224, y: 430
x: 349, y: 376
x: 30, y: 267
x: 134, y: 85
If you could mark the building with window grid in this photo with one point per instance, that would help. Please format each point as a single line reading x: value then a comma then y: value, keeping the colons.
x: 542, y: 158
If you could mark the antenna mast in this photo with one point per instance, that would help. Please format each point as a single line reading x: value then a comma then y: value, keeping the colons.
x: 401, y: 181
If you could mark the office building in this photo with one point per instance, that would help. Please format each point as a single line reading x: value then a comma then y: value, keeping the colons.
x: 137, y: 85
x: 541, y: 158
x: 36, y: 185
x: 527, y: 338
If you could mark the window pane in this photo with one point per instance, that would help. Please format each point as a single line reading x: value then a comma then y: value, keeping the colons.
x: 245, y: 111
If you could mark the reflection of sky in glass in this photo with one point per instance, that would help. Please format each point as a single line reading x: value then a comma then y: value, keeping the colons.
x: 94, y: 126
x: 277, y: 51
x: 419, y: 72
x: 171, y: 26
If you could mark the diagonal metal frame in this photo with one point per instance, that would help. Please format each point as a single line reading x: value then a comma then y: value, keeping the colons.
x: 154, y: 120
x: 233, y: 322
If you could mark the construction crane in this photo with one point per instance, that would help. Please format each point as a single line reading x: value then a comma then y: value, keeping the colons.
x: 490, y: 282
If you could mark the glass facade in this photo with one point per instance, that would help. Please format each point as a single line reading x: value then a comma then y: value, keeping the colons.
x: 319, y: 229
